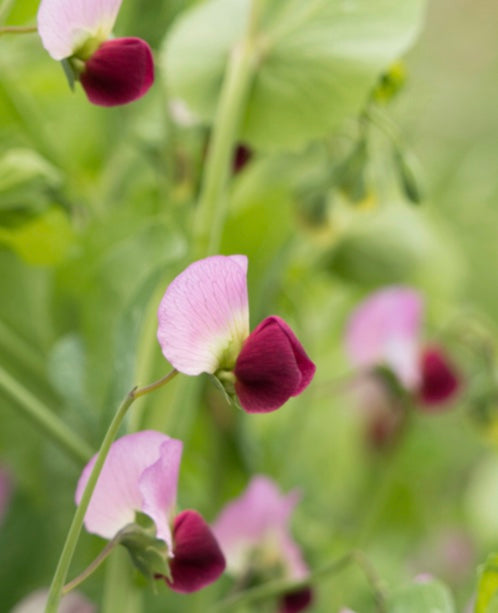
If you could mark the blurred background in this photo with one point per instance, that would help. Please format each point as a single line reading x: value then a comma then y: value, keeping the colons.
x: 95, y: 207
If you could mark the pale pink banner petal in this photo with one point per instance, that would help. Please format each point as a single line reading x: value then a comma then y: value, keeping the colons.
x: 204, y: 314
x: 64, y: 25
x: 117, y: 495
x: 158, y: 484
x: 254, y: 519
x: 384, y: 330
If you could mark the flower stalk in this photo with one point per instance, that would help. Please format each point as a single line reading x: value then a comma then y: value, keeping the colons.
x: 61, y: 571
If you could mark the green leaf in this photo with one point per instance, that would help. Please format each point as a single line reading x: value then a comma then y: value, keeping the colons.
x: 429, y: 596
x: 405, y: 165
x: 44, y: 240
x: 317, y: 61
x: 487, y: 591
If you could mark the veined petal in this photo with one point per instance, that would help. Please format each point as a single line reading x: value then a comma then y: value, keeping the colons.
x: 158, y: 484
x: 198, y: 559
x: 124, y: 482
x: 271, y: 367
x: 204, y: 314
x: 64, y: 25
x: 384, y: 330
x: 256, y: 519
x: 119, y: 72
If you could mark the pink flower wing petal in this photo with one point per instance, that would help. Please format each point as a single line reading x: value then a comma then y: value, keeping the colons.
x: 271, y: 367
x: 260, y: 513
x: 297, y: 601
x: 198, y: 559
x: 70, y: 603
x: 384, y: 330
x: 158, y: 484
x: 64, y: 25
x: 203, y: 312
x: 117, y: 495
x: 119, y: 72
x: 440, y: 380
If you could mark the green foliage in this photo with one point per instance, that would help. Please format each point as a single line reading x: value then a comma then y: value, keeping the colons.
x: 429, y: 595
x: 316, y: 61
x: 487, y: 591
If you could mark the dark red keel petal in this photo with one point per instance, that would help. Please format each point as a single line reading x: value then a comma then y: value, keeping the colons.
x: 198, y: 560
x: 294, y: 602
x: 120, y: 71
x: 272, y: 366
x: 440, y: 381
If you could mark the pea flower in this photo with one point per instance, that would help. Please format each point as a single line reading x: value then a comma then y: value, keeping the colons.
x: 111, y: 71
x: 385, y: 331
x: 140, y: 476
x: 204, y: 328
x: 253, y: 532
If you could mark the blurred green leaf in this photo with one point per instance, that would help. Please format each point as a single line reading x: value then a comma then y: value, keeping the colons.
x: 487, y: 591
x: 42, y: 241
x: 405, y: 165
x: 317, y: 61
x: 428, y: 596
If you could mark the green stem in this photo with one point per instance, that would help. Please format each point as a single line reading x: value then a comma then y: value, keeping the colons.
x: 18, y: 29
x: 45, y: 420
x: 121, y: 592
x: 91, y: 568
x: 276, y: 588
x: 212, y: 208
x: 75, y: 528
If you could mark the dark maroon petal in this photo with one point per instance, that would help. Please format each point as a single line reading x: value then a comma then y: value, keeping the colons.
x: 241, y: 156
x: 440, y: 381
x: 271, y: 367
x: 198, y: 560
x: 293, y: 602
x: 120, y: 71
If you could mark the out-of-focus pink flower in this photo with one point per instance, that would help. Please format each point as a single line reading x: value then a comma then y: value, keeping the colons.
x: 253, y: 532
x: 5, y: 492
x: 385, y: 331
x: 141, y: 475
x: 204, y: 327
x: 111, y: 71
x: 70, y: 603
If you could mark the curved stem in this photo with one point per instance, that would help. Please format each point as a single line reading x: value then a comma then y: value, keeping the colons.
x: 212, y: 208
x: 280, y: 587
x: 75, y: 528
x: 92, y: 567
x: 45, y: 420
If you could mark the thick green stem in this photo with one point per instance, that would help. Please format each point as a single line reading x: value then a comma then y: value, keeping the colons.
x: 45, y: 420
x: 76, y: 525
x: 212, y: 208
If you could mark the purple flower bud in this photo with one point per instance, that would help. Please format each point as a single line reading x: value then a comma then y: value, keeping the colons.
x: 440, y: 381
x: 120, y: 71
x: 271, y: 367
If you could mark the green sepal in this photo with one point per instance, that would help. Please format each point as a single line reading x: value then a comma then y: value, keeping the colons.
x: 148, y: 553
x: 225, y: 386
x: 69, y: 72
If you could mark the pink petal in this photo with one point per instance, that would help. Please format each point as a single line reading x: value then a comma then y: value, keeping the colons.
x: 197, y: 560
x: 127, y: 481
x: 297, y: 601
x: 158, y: 484
x: 204, y: 314
x: 120, y: 71
x: 241, y: 157
x: 384, y: 330
x: 260, y: 515
x: 271, y: 367
x: 440, y: 380
x: 64, y: 25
